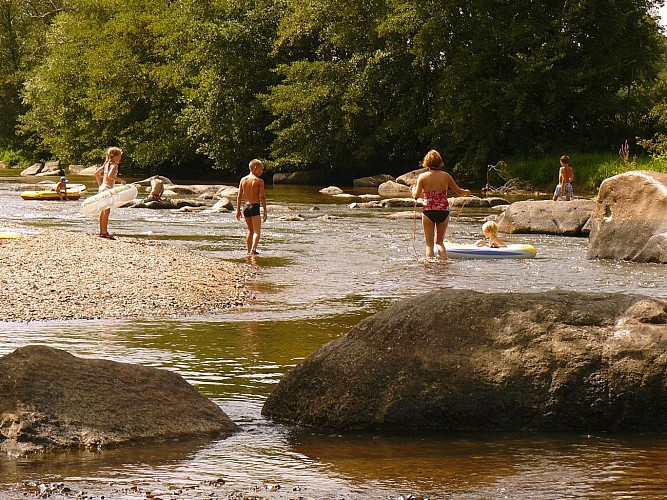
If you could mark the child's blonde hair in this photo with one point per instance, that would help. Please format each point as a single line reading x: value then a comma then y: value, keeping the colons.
x: 433, y: 160
x: 255, y: 163
x: 490, y: 227
x: 111, y: 152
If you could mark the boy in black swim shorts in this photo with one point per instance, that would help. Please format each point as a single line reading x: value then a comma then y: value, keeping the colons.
x: 251, y: 189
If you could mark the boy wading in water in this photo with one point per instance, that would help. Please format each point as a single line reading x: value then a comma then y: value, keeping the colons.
x: 251, y: 188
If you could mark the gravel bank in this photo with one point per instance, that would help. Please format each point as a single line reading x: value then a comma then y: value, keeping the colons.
x: 60, y: 275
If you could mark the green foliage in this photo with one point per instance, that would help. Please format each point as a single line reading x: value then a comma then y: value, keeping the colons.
x: 352, y: 100
x: 22, y: 28
x: 108, y: 81
x: 15, y: 158
x: 229, y: 63
x: 590, y: 169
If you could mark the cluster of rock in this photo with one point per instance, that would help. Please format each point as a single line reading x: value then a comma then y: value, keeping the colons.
x: 50, y: 168
x: 221, y: 194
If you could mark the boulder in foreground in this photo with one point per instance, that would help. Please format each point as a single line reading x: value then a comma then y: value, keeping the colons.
x: 630, y: 218
x: 460, y: 360
x: 51, y: 399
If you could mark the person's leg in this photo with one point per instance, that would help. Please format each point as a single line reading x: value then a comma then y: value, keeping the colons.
x: 257, y: 232
x: 104, y: 221
x: 249, y: 234
x: 440, y: 231
x: 429, y: 228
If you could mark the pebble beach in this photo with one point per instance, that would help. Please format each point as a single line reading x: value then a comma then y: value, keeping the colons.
x: 64, y: 275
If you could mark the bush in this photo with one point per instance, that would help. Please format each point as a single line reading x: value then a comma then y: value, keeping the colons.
x: 14, y: 158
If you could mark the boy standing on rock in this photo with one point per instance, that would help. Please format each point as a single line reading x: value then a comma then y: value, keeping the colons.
x: 565, y: 180
x: 251, y: 188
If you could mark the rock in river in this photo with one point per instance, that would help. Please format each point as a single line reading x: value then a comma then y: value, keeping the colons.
x: 630, y: 218
x: 51, y: 399
x: 460, y: 360
x: 567, y: 218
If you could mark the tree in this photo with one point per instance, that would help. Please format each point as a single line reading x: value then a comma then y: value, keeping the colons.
x: 22, y: 24
x: 381, y: 81
x: 112, y: 77
x: 350, y: 100
x: 230, y: 63
x: 524, y: 76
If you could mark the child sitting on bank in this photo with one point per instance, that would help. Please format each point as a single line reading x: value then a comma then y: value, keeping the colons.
x: 490, y: 230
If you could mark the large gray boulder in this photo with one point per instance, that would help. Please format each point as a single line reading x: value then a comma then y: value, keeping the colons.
x: 630, y: 219
x: 566, y: 218
x: 372, y: 181
x: 226, y: 192
x: 88, y: 171
x: 393, y: 189
x: 32, y: 169
x: 51, y: 168
x: 477, y: 202
x: 410, y: 178
x: 195, y: 189
x: 460, y: 360
x: 50, y: 399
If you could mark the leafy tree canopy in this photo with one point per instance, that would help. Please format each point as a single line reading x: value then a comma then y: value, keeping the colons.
x: 351, y: 86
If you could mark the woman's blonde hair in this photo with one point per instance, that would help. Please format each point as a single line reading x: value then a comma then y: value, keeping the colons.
x: 113, y: 151
x: 433, y: 160
x: 490, y: 226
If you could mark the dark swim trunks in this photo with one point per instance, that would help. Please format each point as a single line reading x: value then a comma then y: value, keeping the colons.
x: 436, y: 216
x: 250, y: 210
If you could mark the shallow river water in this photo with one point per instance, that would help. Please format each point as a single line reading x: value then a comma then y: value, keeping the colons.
x: 315, y: 279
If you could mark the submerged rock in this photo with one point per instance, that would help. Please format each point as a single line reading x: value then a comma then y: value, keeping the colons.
x: 51, y: 399
x: 460, y: 360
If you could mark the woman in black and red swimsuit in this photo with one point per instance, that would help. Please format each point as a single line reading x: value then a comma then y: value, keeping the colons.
x: 434, y: 185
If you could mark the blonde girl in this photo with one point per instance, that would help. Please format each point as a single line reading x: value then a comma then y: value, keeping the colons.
x: 106, y: 176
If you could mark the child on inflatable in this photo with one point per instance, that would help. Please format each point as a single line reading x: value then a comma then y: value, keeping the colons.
x: 490, y: 230
x: 107, y: 176
x: 61, y: 188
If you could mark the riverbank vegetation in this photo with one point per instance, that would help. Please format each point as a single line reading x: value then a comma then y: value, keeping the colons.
x: 590, y: 168
x: 346, y: 86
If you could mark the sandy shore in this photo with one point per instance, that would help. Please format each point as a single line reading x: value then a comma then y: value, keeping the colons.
x: 59, y: 275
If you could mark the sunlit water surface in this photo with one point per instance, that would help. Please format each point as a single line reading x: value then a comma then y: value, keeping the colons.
x: 316, y: 278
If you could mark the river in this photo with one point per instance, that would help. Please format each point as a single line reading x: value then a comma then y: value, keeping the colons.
x: 315, y: 279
